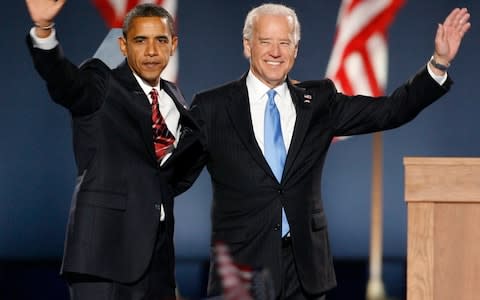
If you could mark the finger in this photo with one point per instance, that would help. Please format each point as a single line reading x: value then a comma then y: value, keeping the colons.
x: 59, y: 3
x: 464, y: 19
x: 465, y: 28
x: 440, y: 34
x: 450, y: 19
x: 462, y: 24
x: 459, y: 15
x: 459, y: 20
x: 456, y: 21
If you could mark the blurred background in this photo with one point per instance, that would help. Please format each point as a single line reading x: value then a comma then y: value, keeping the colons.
x: 37, y: 168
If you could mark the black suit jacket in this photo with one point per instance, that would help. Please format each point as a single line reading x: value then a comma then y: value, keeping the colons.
x: 247, y: 199
x: 114, y: 218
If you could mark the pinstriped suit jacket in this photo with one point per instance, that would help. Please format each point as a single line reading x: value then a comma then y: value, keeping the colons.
x: 247, y: 199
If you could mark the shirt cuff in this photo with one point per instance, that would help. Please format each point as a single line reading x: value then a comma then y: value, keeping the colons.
x: 440, y: 79
x: 47, y: 43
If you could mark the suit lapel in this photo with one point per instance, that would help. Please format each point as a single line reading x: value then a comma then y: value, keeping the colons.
x: 302, y: 102
x: 189, y: 126
x: 137, y: 105
x: 238, y: 109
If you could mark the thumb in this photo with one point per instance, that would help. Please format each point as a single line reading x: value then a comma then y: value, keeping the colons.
x: 440, y: 33
x: 441, y: 47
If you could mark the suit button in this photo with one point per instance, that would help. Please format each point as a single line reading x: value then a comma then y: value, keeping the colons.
x: 157, y: 206
x: 280, y: 192
x: 277, y: 227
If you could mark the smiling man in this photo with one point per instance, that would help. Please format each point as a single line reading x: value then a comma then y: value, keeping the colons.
x: 267, y: 141
x: 132, y: 138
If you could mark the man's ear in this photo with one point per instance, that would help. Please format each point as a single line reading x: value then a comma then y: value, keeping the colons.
x: 122, y: 44
x: 174, y: 45
x: 246, y: 48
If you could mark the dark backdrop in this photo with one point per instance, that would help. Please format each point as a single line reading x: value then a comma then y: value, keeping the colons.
x: 37, y: 167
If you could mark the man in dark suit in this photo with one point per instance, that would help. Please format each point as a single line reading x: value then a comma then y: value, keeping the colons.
x: 132, y: 138
x: 267, y: 140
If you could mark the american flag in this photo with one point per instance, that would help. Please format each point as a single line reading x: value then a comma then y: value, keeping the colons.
x: 235, y: 280
x: 113, y: 12
x: 359, y: 60
x: 241, y: 282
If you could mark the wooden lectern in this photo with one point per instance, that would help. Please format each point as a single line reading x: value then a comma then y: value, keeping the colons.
x: 443, y: 252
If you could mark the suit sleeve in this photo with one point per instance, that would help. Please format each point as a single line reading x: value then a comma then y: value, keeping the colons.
x: 80, y: 89
x: 353, y: 115
x: 186, y: 176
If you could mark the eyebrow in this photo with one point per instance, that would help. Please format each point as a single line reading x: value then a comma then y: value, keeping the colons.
x: 146, y: 37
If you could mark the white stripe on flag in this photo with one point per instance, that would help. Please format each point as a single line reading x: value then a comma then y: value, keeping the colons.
x: 359, y: 60
x: 119, y: 6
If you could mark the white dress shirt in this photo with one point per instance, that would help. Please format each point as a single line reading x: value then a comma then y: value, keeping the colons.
x: 257, y: 94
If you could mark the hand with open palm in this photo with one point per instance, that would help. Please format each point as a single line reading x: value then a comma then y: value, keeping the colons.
x: 450, y: 34
x: 43, y: 12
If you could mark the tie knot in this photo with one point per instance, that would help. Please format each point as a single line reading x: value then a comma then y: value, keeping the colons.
x: 154, y: 95
x: 271, y: 94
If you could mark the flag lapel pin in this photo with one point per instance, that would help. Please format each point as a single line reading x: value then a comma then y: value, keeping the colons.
x: 307, y: 98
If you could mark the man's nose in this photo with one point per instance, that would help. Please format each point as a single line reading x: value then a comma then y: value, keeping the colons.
x: 275, y: 50
x: 151, y: 49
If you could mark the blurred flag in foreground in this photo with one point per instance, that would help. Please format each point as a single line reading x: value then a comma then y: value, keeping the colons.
x: 113, y: 12
x: 359, y: 60
x: 240, y: 282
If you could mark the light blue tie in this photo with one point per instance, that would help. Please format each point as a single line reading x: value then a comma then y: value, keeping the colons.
x: 274, y: 147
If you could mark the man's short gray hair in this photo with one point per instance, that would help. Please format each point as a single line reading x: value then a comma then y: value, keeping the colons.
x: 271, y: 9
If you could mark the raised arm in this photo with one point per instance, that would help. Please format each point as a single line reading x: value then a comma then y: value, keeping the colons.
x: 43, y: 13
x: 449, y: 37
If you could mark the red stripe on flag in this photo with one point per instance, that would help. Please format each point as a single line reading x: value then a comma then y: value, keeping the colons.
x: 353, y: 4
x: 107, y: 12
x: 113, y: 18
x: 342, y: 79
x: 361, y: 34
x: 378, y: 24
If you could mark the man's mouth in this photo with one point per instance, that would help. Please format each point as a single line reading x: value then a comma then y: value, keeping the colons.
x: 273, y: 63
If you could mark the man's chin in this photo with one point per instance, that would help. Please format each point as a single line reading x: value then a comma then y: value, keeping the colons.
x: 276, y: 81
x: 151, y: 77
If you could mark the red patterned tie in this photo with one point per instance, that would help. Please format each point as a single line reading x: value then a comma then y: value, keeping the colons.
x: 162, y: 137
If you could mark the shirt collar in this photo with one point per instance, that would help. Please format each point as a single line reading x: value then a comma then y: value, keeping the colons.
x: 146, y: 88
x: 257, y: 89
